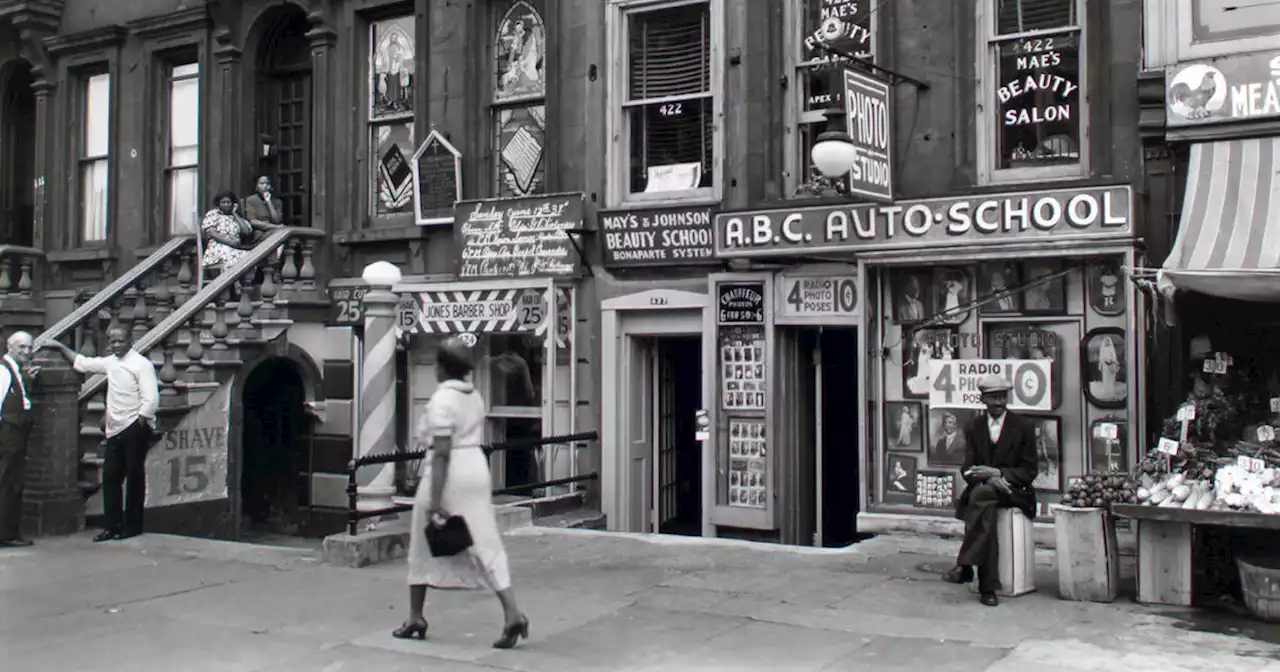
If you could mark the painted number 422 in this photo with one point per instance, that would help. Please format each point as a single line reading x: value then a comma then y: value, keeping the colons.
x: 671, y: 109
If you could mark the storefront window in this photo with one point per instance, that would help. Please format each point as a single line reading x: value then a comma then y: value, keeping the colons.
x: 514, y: 367
x: 391, y: 92
x: 519, y: 108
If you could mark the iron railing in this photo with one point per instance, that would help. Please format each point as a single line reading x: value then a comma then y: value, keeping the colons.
x: 354, y: 516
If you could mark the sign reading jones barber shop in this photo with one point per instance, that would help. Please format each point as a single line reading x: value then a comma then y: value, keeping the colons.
x: 1023, y: 216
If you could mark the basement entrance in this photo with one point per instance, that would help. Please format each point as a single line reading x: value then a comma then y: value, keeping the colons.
x: 275, y: 475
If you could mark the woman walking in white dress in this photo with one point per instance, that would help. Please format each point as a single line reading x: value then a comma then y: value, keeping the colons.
x: 455, y: 481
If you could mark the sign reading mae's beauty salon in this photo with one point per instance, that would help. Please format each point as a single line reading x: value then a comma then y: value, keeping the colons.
x: 1231, y: 88
x: 1022, y: 216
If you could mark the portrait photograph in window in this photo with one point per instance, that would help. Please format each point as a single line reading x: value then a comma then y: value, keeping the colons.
x: 904, y: 426
x: 1105, y: 373
x: 912, y: 296
x: 1106, y: 288
x: 920, y: 347
x: 670, y: 108
x: 1047, y: 432
x: 900, y: 479
x: 946, y: 435
x: 1044, y: 298
x: 996, y: 282
x: 952, y: 290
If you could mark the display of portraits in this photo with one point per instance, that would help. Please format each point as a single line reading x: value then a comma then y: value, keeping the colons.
x: 1028, y: 340
x: 1103, y: 361
x: 1048, y: 441
x: 747, y: 476
x: 904, y: 426
x: 997, y: 280
x: 936, y: 489
x: 1108, y: 439
x: 1048, y: 298
x: 1106, y: 288
x: 742, y: 378
x: 919, y: 348
x: 911, y: 297
x: 952, y: 289
x: 946, y: 435
x: 900, y: 479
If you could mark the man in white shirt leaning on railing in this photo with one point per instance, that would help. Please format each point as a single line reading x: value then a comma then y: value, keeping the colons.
x: 133, y: 396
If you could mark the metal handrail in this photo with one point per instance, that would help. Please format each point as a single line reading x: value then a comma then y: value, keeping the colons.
x: 212, y: 290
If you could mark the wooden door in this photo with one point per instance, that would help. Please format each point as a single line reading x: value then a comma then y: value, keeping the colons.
x: 291, y: 174
x: 639, y: 376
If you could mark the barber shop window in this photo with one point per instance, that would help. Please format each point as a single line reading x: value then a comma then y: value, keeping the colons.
x: 669, y: 102
x: 183, y: 170
x: 392, y: 80
x: 95, y: 144
x: 513, y: 368
x: 1034, y: 89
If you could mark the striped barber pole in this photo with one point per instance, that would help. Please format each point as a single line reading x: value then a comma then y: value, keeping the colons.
x: 377, y: 389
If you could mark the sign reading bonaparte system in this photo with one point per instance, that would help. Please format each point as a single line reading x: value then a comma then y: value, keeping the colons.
x: 1023, y: 216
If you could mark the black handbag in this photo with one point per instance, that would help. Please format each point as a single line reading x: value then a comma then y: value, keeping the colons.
x: 451, y: 538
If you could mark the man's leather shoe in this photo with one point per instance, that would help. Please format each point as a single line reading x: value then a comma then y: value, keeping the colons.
x: 107, y: 535
x: 989, y: 599
x: 16, y: 543
x: 959, y: 574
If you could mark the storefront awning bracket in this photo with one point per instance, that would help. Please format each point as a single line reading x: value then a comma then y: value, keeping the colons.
x: 577, y: 247
x: 894, y: 77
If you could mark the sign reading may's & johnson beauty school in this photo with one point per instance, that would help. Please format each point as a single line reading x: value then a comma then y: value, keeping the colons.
x: 968, y: 220
x: 518, y: 237
x: 657, y: 237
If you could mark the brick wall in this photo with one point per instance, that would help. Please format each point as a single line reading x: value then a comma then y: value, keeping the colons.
x: 52, y: 503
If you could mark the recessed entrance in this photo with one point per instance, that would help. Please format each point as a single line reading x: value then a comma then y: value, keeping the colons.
x: 275, y: 475
x: 283, y: 113
x: 17, y: 154
x: 677, y: 455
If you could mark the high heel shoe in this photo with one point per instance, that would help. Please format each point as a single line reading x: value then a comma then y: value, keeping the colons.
x: 511, y: 634
x: 411, y: 631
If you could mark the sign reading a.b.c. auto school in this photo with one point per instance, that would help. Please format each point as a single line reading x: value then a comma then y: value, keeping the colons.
x: 1232, y: 88
x: 1024, y: 216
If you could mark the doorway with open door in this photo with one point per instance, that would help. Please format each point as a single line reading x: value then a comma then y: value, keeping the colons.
x: 282, y: 113
x: 276, y: 454
x: 677, y: 455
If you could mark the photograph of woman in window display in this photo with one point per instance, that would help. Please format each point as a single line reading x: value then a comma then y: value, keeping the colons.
x: 952, y: 290
x: 920, y: 347
x: 1105, y: 368
x: 904, y: 430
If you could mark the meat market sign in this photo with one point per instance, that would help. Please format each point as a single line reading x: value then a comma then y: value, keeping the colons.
x: 1023, y: 216
x: 1232, y: 88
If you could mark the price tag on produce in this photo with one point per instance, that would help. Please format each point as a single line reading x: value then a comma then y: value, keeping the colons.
x: 1275, y: 404
x: 1108, y: 430
x: 1186, y: 412
x: 1210, y: 366
x: 1220, y: 367
x: 1250, y: 464
x: 1266, y: 433
x: 1167, y: 446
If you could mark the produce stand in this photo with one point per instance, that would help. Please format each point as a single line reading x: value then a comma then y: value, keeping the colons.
x: 1165, y: 538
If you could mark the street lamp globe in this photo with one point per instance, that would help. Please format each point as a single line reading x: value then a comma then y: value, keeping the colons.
x: 833, y: 153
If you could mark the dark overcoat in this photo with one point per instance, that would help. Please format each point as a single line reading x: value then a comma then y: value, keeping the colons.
x: 1014, y: 455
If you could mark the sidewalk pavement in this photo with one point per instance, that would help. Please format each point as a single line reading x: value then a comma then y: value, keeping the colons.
x: 596, y: 600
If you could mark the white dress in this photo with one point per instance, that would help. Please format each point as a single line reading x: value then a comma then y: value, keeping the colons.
x: 457, y: 410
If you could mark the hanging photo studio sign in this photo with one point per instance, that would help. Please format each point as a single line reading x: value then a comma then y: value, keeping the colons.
x: 437, y: 180
x: 868, y: 115
x: 955, y: 382
x: 188, y: 463
x: 488, y: 311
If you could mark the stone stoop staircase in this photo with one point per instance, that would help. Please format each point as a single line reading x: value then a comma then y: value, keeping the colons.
x: 197, y: 336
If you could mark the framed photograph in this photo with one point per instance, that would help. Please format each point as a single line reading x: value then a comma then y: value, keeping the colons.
x: 919, y: 348
x: 996, y: 280
x: 1027, y: 340
x: 1048, y: 298
x: 1048, y: 440
x: 952, y: 288
x: 1108, y: 442
x: 1102, y: 356
x: 911, y: 302
x: 946, y: 435
x: 937, y: 489
x: 899, y: 479
x: 904, y: 426
x: 1106, y: 288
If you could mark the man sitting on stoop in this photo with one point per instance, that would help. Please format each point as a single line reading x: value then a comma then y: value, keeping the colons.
x: 999, y: 467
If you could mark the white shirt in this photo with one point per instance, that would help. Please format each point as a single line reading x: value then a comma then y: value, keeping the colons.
x: 132, y: 390
x: 995, y: 426
x: 6, y: 382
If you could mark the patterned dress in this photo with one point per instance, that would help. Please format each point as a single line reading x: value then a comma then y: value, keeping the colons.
x: 217, y: 253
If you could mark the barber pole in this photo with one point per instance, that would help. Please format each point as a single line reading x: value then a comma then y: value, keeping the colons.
x: 376, y: 483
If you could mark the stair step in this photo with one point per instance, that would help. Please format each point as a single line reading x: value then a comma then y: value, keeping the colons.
x: 93, y: 460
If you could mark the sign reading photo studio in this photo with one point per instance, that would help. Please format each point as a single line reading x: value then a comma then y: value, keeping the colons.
x: 1090, y: 212
x: 1234, y: 88
x: 672, y: 236
x: 1039, y: 94
x: 867, y: 110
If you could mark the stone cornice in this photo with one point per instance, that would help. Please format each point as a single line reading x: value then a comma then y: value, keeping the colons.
x: 89, y: 40
x: 172, y: 24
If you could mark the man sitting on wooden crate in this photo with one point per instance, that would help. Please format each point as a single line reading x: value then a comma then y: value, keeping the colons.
x: 999, y: 467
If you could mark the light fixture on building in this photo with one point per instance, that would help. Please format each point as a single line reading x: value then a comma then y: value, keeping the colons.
x: 833, y: 153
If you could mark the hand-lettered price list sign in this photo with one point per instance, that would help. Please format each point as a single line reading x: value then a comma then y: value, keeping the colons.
x: 519, y: 237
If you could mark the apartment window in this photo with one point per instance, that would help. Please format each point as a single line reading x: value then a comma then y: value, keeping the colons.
x: 846, y: 25
x: 182, y: 175
x: 94, y: 157
x: 391, y: 143
x: 519, y: 101
x: 1035, y: 122
x: 669, y: 105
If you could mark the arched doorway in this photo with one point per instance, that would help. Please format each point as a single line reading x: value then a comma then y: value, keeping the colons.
x: 275, y: 473
x: 17, y: 154
x: 283, y: 110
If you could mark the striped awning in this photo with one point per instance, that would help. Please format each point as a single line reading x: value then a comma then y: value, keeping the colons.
x: 1228, y: 241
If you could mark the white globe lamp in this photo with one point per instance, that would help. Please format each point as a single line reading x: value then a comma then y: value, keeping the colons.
x: 833, y: 153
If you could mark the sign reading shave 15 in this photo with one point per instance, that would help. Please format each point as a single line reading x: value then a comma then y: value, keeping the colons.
x: 1088, y: 212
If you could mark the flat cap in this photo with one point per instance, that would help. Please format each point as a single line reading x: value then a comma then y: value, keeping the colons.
x: 993, y: 383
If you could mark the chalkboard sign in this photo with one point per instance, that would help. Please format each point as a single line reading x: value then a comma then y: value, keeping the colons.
x: 518, y: 237
x: 671, y: 236
x: 437, y: 180
x: 741, y: 302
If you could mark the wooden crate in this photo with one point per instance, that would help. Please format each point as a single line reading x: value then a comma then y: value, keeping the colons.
x: 1016, y: 536
x: 1088, y: 554
x: 1164, y: 562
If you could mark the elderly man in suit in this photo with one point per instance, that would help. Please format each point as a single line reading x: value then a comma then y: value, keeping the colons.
x: 16, y: 376
x: 999, y: 467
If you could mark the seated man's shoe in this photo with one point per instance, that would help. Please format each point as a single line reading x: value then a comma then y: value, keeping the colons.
x: 959, y: 574
x: 107, y: 535
x: 16, y: 543
x: 989, y: 599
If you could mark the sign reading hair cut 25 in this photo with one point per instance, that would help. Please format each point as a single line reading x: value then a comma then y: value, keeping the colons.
x: 1022, y: 216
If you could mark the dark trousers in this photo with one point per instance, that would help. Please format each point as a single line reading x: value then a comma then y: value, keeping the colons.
x: 13, y: 460
x: 126, y: 459
x: 980, y: 545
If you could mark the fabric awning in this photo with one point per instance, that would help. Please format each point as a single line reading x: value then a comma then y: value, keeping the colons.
x: 1228, y: 241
